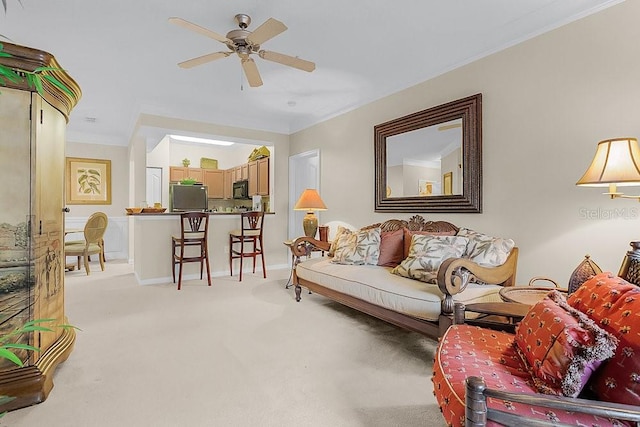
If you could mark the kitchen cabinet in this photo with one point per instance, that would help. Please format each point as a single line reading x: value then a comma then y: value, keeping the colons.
x: 237, y: 173
x: 178, y: 173
x: 229, y: 176
x: 32, y: 259
x: 214, y: 180
x: 263, y: 176
x: 244, y: 171
x: 259, y: 177
x: 253, y: 178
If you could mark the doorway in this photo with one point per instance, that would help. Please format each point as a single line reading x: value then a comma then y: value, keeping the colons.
x: 154, y: 186
x: 304, y: 172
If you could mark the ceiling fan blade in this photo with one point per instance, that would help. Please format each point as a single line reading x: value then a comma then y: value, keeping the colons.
x: 268, y: 30
x: 252, y: 73
x: 203, y: 59
x: 290, y: 61
x: 198, y: 29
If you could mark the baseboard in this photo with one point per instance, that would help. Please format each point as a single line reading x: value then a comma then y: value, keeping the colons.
x: 196, y: 276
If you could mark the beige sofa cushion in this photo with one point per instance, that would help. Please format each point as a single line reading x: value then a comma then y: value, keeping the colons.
x: 376, y: 285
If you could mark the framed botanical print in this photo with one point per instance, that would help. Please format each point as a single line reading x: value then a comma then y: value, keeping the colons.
x: 88, y: 181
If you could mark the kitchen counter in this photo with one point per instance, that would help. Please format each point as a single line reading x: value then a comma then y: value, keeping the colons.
x: 152, y: 244
x: 178, y: 213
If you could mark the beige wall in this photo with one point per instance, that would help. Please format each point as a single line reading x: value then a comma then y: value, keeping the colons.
x: 119, y: 157
x: 546, y: 104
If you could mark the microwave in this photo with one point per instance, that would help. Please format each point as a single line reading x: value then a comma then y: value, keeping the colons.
x: 241, y: 190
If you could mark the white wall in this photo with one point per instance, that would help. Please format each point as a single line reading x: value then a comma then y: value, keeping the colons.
x: 546, y: 104
x: 227, y: 156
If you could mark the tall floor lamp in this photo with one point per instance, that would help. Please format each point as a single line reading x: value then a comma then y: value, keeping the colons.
x: 310, y: 201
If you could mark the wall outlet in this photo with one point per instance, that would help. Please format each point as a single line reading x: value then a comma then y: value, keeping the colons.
x: 226, y: 249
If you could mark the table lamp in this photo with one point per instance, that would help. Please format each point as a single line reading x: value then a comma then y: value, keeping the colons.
x: 310, y: 201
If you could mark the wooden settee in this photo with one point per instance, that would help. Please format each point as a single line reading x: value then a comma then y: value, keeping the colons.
x: 453, y: 277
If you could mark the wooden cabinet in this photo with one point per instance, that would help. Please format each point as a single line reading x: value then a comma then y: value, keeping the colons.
x: 32, y: 257
x: 229, y: 176
x: 214, y: 180
x: 237, y: 173
x: 263, y: 176
x: 259, y: 177
x: 253, y: 178
x: 244, y: 171
x: 178, y: 173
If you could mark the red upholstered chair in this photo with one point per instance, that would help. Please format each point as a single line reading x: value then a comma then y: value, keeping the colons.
x: 194, y: 229
x: 247, y: 241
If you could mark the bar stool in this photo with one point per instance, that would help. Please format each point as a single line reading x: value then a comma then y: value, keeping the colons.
x: 249, y: 233
x: 194, y: 229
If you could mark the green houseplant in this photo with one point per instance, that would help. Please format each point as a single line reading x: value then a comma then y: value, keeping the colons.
x: 8, y: 346
x: 33, y: 78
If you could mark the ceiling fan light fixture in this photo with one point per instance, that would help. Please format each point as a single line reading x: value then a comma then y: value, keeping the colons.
x: 243, y: 20
x: 245, y: 43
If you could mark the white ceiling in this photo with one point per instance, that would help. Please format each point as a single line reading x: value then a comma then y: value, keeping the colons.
x: 123, y: 54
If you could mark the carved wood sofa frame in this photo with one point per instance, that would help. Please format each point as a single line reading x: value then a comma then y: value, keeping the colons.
x: 453, y: 277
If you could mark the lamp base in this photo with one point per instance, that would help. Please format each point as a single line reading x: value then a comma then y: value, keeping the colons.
x: 310, y: 224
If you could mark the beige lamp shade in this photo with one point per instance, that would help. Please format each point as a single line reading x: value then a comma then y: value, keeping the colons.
x: 310, y: 201
x: 617, y: 162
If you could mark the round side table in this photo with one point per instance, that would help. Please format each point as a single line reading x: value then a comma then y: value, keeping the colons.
x: 525, y: 294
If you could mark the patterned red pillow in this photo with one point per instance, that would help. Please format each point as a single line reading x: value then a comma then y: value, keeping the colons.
x: 561, y: 346
x: 614, y: 304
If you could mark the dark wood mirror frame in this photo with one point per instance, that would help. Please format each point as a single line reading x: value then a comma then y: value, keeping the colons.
x: 470, y: 201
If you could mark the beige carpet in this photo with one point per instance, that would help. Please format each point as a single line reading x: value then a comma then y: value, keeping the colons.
x: 234, y: 354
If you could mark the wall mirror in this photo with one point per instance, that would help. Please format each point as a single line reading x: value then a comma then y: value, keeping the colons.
x: 431, y: 161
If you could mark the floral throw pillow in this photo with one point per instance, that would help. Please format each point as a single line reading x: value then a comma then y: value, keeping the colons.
x: 410, y: 233
x: 341, y: 230
x: 426, y: 253
x: 357, y: 247
x: 561, y: 346
x: 486, y: 250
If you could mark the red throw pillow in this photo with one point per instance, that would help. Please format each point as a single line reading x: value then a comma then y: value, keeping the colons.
x: 561, y: 346
x: 408, y: 233
x: 391, y: 248
x: 614, y: 304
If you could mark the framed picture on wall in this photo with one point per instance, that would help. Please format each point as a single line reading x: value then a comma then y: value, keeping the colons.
x: 425, y: 188
x: 88, y: 181
x: 447, y: 183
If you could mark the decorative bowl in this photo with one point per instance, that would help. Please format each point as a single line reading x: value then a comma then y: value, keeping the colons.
x: 153, y: 210
x: 133, y: 210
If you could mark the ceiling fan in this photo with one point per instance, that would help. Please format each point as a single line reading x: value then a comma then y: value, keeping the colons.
x: 245, y: 43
